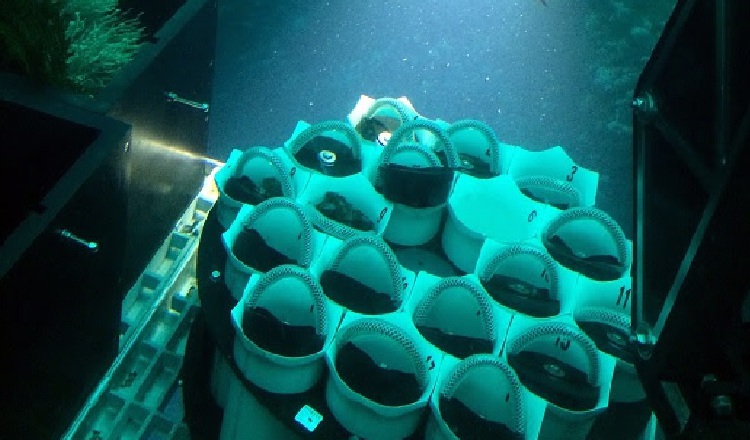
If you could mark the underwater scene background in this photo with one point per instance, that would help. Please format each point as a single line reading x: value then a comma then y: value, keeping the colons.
x: 543, y: 75
x: 539, y: 73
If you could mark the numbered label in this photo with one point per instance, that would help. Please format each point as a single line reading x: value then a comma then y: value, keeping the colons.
x: 545, y: 275
x: 532, y: 216
x: 623, y: 297
x: 562, y: 343
x: 430, y: 363
x: 382, y: 214
x: 573, y: 171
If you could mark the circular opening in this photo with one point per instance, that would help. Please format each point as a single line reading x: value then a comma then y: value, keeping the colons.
x: 253, y: 191
x: 261, y: 326
x: 327, y: 157
x: 460, y: 346
x: 616, y: 339
x: 455, y: 317
x: 474, y: 166
x: 374, y: 369
x: 311, y: 155
x: 609, y: 339
x: 484, y: 403
x: 371, y: 128
x: 384, y: 137
x: 351, y: 293
x: 335, y: 207
x: 253, y: 251
x: 586, y: 246
x: 523, y: 282
x: 555, y: 381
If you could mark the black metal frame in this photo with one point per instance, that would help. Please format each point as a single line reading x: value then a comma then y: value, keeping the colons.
x: 61, y: 304
x: 692, y: 153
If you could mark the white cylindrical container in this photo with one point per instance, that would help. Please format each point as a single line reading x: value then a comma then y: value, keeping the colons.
x: 590, y: 242
x: 477, y: 146
x: 479, y: 397
x: 364, y: 276
x: 378, y: 383
x: 457, y: 317
x: 282, y: 327
x: 343, y: 207
x: 249, y: 178
x: 487, y: 208
x: 276, y: 232
x: 330, y: 148
x: 523, y: 278
x: 412, y: 176
x: 558, y: 363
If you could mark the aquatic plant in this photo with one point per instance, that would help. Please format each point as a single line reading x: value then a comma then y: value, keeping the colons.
x: 75, y: 44
x: 32, y: 40
x: 102, y: 41
x: 88, y: 8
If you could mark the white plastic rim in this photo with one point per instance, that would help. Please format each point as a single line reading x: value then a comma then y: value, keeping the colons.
x: 274, y: 374
x: 490, y: 384
x: 287, y: 289
x: 358, y: 193
x: 338, y: 130
x: 594, y: 233
x: 575, y: 348
x: 457, y: 306
x: 226, y: 207
x: 357, y: 413
x: 461, y: 245
x: 249, y: 162
x: 294, y: 238
x: 411, y: 226
x: 525, y: 262
x: 477, y: 139
x: 550, y: 190
x: 368, y: 420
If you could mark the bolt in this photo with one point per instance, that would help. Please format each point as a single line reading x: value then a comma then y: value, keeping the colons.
x: 722, y: 405
x: 645, y: 105
x: 644, y: 340
x: 215, y: 276
x: 709, y: 379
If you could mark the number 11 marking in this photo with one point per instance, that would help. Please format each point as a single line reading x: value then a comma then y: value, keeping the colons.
x: 623, y: 293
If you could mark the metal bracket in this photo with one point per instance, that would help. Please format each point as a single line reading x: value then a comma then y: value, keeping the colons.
x: 90, y: 245
x: 173, y: 97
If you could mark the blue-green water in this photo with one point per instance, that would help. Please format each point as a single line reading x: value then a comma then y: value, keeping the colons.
x: 560, y: 74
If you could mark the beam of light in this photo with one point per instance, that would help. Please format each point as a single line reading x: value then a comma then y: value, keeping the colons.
x: 209, y: 190
x: 162, y: 147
